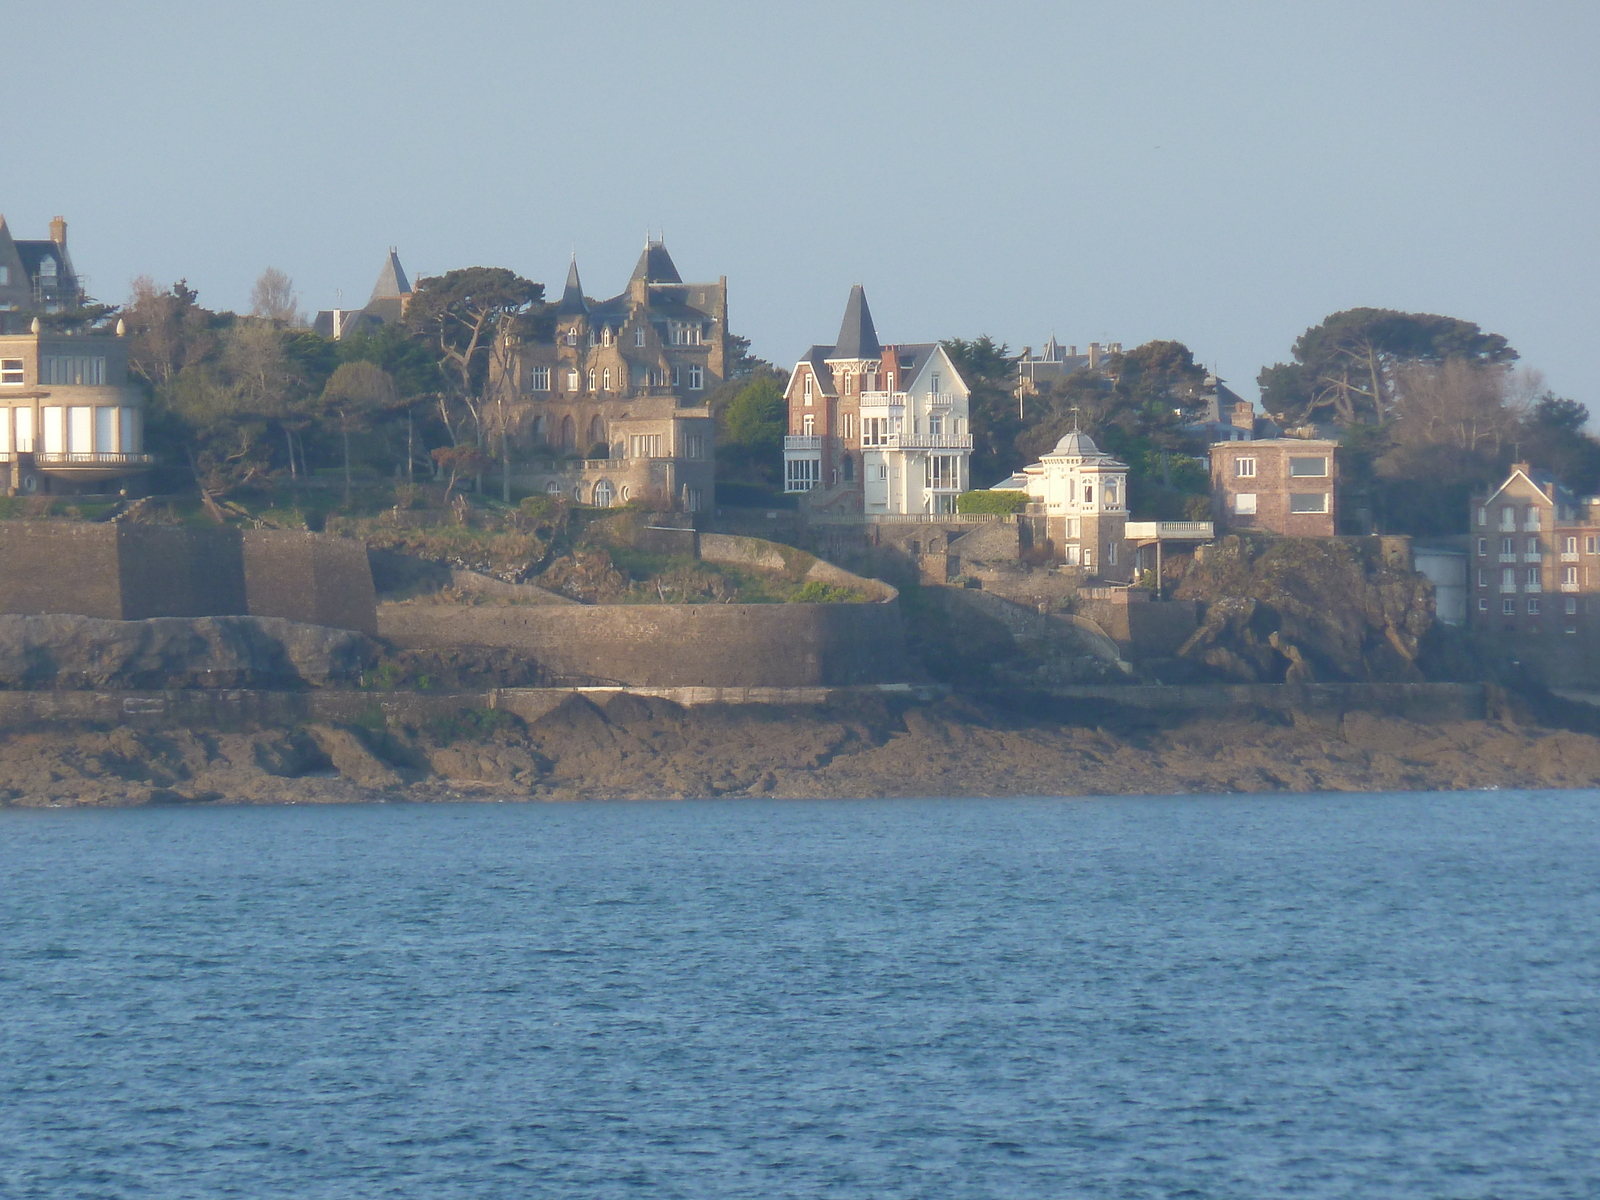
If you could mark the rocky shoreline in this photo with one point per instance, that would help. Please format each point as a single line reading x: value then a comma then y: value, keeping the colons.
x: 633, y: 747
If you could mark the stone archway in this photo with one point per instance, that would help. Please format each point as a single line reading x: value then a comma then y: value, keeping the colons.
x: 569, y: 433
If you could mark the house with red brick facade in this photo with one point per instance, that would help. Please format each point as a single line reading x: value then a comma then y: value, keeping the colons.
x: 1275, y: 485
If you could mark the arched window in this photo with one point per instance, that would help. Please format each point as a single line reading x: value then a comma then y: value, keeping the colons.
x: 572, y: 381
x: 577, y: 492
x: 591, y: 379
x: 603, y: 494
x: 605, y: 380
x: 607, y: 336
x: 1088, y: 493
x: 540, y: 429
x: 552, y: 488
x: 627, y: 493
x: 572, y: 337
x: 569, y: 433
x: 597, y: 432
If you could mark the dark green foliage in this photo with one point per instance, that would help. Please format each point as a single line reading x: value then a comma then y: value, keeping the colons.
x: 987, y: 369
x: 750, y: 429
x: 817, y: 592
x: 985, y: 501
x: 1345, y: 369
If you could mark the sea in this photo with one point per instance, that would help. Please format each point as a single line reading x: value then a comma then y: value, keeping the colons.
x: 1229, y: 996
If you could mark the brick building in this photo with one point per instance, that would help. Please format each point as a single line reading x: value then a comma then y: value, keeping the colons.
x: 1276, y: 485
x: 876, y: 429
x: 1535, y: 558
x: 38, y: 276
x: 613, y: 407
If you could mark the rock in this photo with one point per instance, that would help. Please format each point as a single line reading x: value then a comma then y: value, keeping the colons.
x: 352, y: 759
x: 63, y: 651
x: 1299, y: 610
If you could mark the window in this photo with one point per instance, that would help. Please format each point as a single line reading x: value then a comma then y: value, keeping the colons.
x: 697, y: 378
x: 943, y: 470
x: 1088, y: 557
x: 874, y: 431
x: 1483, y: 577
x: 1534, y: 519
x: 605, y: 337
x: 1111, y: 554
x: 1591, y: 545
x: 1483, y: 606
x: 808, y: 389
x: 591, y: 379
x: 1569, y: 577
x: 801, y: 474
x: 935, y: 388
x: 644, y: 445
x: 1508, y: 579
x: 1110, y: 490
x: 808, y: 425
x: 24, y: 429
x: 572, y: 381
x: 48, y: 268
x: 1312, y: 502
x: 1572, y: 606
x: 55, y: 433
x: 1244, y: 504
x: 603, y: 494
x: 691, y: 498
x: 105, y: 431
x: 677, y: 376
x: 1483, y: 515
x: 541, y: 379
x: 1569, y: 546
x: 1244, y: 468
x: 63, y: 371
x: 1508, y: 608
x: 1533, y: 546
x: 935, y: 427
x: 1533, y: 577
x: 605, y: 380
x: 1508, y: 518
x: 1533, y: 606
x: 694, y: 446
x: 847, y: 425
x: 11, y: 372
x: 638, y: 336
x: 848, y: 464
x: 1483, y: 547
x: 1508, y: 546
x: 1307, y: 468
x: 572, y: 337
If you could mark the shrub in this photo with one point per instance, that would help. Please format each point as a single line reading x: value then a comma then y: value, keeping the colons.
x: 984, y: 501
x: 817, y: 592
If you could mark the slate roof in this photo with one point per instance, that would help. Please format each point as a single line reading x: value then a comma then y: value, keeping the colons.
x: 392, y: 282
x: 572, y: 302
x: 857, y: 336
x: 655, y: 265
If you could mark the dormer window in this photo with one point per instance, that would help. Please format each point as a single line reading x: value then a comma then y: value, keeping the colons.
x: 47, y: 268
x: 572, y: 337
x: 606, y: 336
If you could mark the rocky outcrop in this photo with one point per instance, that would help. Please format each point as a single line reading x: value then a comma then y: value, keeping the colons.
x: 1298, y: 610
x: 72, y: 652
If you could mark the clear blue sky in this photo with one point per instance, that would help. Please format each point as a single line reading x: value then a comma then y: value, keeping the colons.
x: 1221, y: 173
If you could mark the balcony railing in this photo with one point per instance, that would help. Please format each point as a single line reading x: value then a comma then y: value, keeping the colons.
x: 1179, y: 531
x: 1569, y: 556
x: 1507, y: 589
x: 1508, y: 558
x: 1534, y: 588
x: 93, y: 459
x: 1533, y: 558
x: 883, y: 399
x: 1569, y: 587
x: 942, y: 399
x: 926, y: 441
x: 803, y: 441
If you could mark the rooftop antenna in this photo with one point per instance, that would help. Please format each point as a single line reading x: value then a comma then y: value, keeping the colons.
x: 1074, y: 410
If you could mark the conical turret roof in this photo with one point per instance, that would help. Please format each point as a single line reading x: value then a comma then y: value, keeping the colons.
x: 392, y: 282
x: 857, y: 337
x: 656, y: 266
x: 572, y: 302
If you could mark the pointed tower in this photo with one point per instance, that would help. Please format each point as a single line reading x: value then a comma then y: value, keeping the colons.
x: 656, y: 266
x: 572, y: 302
x: 858, y: 339
x: 392, y: 283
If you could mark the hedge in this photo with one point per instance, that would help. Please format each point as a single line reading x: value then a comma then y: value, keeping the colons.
x: 985, y: 501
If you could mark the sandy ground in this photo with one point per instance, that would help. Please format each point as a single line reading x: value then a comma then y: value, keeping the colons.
x: 645, y: 749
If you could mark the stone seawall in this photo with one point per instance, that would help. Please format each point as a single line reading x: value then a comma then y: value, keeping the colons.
x: 125, y: 572
x: 686, y: 645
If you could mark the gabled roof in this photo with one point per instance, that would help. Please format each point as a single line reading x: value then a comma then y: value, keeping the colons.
x: 572, y: 302
x: 392, y: 282
x: 1543, y: 482
x: 857, y: 336
x: 655, y: 265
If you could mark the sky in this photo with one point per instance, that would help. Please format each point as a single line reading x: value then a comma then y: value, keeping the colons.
x: 1224, y: 174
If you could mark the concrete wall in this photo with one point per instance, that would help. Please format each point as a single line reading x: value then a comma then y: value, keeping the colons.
x: 131, y: 572
x: 675, y: 645
x: 1141, y: 627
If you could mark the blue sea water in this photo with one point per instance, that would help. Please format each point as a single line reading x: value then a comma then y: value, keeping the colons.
x: 1307, y: 996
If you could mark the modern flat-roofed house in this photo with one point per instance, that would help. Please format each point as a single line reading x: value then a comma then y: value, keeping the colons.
x: 1275, y: 485
x: 875, y: 429
x: 69, y: 420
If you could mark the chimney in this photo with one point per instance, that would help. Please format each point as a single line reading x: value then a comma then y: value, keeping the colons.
x: 1094, y: 355
x: 58, y: 231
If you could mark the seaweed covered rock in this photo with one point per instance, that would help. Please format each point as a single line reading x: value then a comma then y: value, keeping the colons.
x: 1302, y: 609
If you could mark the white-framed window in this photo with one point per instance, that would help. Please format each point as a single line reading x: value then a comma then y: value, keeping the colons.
x: 1483, y: 577
x: 1591, y: 544
x: 1535, y: 518
x: 1483, y: 606
x: 603, y: 494
x: 801, y: 474
x: 1569, y: 575
x: 1070, y: 555
x: 572, y: 381
x: 1244, y: 504
x: 1572, y: 606
x: 644, y: 445
x: 12, y: 372
x: 1483, y: 515
x: 1508, y: 577
x: 677, y: 376
x: 1088, y: 557
x: 691, y: 498
x: 808, y: 389
x: 1508, y: 608
x: 48, y: 267
x: 1110, y: 491
x: 847, y: 425
x: 808, y: 425
x: 697, y: 378
x: 1533, y: 577
x: 591, y: 379
x: 572, y: 337
x: 605, y: 380
x: 605, y: 336
x: 943, y: 470
x: 1308, y: 468
x: 1569, y: 545
x: 540, y: 379
x: 1533, y: 606
x: 1508, y: 545
x: 1088, y: 493
x: 55, y: 430
x: 24, y: 430
x: 552, y: 488
x: 874, y: 431
x: 1483, y: 547
x: 62, y: 370
x: 1534, y: 547
x: 1308, y: 502
x: 1244, y: 468
x: 638, y: 336
x: 694, y: 446
x: 1508, y: 518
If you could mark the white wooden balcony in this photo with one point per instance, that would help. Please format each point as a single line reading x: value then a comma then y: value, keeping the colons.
x: 1569, y: 556
x: 1170, y: 531
x: 928, y: 441
x: 1505, y: 558
x: 1533, y: 558
x: 1570, y: 587
x: 803, y: 441
x: 1533, y: 589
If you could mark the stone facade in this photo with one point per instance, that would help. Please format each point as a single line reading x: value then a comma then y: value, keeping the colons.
x: 1277, y: 485
x: 1079, y: 495
x: 615, y: 399
x: 875, y: 429
x: 38, y: 276
x: 1534, y: 574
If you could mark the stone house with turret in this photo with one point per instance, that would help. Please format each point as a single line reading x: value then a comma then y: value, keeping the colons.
x: 612, y: 407
x: 875, y: 429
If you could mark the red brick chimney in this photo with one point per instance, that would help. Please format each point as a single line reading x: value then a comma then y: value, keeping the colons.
x: 58, y: 231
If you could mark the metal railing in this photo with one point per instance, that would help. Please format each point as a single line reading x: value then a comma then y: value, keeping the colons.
x: 803, y: 441
x: 927, y: 441
x: 1569, y: 587
x: 1175, y: 530
x: 93, y: 459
